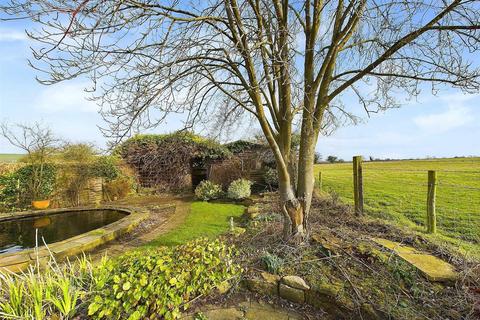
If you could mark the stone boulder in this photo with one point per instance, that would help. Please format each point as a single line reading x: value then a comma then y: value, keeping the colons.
x: 262, y: 287
x: 291, y: 294
x: 295, y: 282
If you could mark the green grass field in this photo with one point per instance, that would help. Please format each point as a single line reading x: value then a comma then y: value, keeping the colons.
x: 396, y: 191
x: 205, y: 219
x: 9, y: 157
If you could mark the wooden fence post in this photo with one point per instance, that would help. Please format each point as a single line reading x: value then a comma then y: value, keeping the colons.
x: 431, y: 194
x: 358, y: 184
x: 320, y: 180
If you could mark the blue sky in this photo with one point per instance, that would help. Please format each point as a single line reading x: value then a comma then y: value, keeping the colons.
x: 443, y: 126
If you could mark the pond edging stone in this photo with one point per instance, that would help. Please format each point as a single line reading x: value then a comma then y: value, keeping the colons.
x: 20, y: 261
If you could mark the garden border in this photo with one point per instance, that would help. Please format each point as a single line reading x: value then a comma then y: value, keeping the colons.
x: 19, y: 261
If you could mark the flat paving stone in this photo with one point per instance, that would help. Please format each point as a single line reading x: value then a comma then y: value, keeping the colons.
x: 262, y: 311
x: 433, y: 268
x: 245, y: 311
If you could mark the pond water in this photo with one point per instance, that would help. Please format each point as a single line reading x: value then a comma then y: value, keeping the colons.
x: 20, y: 234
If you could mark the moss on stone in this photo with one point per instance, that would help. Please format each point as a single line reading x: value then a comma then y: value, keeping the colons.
x: 433, y: 268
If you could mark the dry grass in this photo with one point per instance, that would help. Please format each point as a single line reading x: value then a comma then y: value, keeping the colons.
x: 361, y: 272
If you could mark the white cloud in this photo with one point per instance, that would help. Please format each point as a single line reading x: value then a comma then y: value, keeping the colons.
x: 455, y: 115
x: 7, y: 35
x: 65, y: 97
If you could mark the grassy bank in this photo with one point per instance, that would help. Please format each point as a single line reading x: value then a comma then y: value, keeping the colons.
x: 396, y: 190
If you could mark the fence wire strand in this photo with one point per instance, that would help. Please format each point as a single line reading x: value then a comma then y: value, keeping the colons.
x: 459, y: 221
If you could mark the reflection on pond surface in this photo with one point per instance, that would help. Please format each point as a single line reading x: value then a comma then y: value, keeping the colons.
x: 19, y: 234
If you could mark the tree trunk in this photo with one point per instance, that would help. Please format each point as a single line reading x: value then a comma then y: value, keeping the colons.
x: 293, y: 227
x: 306, y: 177
x: 306, y: 157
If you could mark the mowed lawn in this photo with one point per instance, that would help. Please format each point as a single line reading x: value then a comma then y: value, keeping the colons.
x: 205, y: 219
x: 397, y: 190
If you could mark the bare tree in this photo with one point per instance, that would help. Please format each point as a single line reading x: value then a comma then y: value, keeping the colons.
x: 36, y: 140
x: 280, y: 61
x: 39, y: 144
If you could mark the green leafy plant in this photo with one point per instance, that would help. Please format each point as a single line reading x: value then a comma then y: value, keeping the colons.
x: 39, y: 144
x: 208, y: 190
x: 36, y: 181
x: 9, y: 191
x: 107, y: 167
x: 200, y: 316
x: 242, y: 145
x: 239, y: 189
x: 160, y: 281
x: 19, y: 188
x: 55, y: 292
x: 273, y: 263
x: 271, y: 177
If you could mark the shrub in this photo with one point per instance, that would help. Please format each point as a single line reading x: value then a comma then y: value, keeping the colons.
x: 273, y: 263
x: 271, y: 177
x: 9, y: 191
x: 107, y: 167
x: 208, y: 190
x: 19, y: 188
x: 41, y: 186
x: 160, y: 282
x: 118, y: 188
x: 75, y: 162
x: 239, y: 189
x: 79, y: 165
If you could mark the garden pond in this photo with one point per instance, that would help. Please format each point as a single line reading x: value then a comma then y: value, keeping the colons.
x: 17, y: 234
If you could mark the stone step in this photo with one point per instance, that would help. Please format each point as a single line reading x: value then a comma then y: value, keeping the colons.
x: 433, y: 268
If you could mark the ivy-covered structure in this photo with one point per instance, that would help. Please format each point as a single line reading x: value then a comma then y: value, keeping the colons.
x: 249, y: 160
x: 171, y: 161
x: 181, y: 160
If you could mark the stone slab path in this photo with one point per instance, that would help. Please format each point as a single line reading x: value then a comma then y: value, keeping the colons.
x: 163, y: 222
x: 244, y: 311
x: 433, y: 268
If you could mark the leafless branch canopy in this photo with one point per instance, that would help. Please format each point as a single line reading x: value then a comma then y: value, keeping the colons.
x: 277, y: 60
x: 34, y: 138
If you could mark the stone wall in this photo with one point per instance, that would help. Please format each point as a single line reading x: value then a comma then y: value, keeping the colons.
x: 296, y: 290
x: 91, y: 195
x: 93, y: 192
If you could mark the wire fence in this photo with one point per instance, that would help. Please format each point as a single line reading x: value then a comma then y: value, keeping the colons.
x: 401, y: 194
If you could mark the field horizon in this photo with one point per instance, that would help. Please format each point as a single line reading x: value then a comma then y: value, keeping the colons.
x: 10, y: 157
